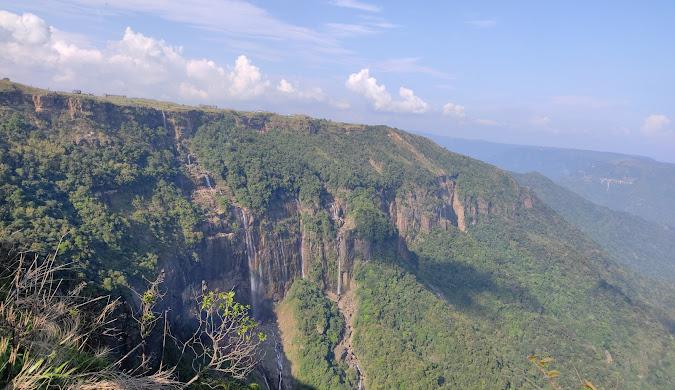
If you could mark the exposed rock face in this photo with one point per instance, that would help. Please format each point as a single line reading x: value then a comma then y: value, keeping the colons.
x: 260, y: 253
x: 421, y: 210
x: 244, y: 250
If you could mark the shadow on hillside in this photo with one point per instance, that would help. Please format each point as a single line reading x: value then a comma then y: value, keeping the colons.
x: 463, y: 286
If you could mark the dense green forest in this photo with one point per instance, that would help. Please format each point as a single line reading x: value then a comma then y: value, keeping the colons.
x: 110, y: 204
x: 318, y: 327
x: 643, y: 245
x: 457, y: 272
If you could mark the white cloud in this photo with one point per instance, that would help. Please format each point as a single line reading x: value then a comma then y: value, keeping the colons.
x: 189, y: 91
x: 285, y: 87
x: 367, y: 86
x: 656, y: 125
x: 32, y: 49
x: 482, y: 23
x: 246, y: 81
x: 356, y: 4
x: 455, y: 110
x: 234, y: 17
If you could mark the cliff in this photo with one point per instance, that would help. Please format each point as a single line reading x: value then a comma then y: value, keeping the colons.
x: 256, y: 201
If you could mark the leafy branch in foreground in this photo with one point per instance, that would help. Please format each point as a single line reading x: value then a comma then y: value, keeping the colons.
x: 226, y: 339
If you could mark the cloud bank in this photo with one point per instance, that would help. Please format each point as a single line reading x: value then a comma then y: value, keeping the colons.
x: 134, y: 63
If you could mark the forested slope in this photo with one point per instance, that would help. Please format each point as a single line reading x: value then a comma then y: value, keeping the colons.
x: 643, y: 245
x: 457, y: 273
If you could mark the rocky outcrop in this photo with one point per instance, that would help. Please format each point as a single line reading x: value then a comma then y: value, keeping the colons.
x: 421, y: 210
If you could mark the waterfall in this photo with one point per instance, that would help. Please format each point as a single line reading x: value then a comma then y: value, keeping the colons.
x: 302, y: 242
x: 208, y: 181
x: 164, y: 119
x: 335, y: 214
x: 267, y: 384
x: 280, y: 362
x: 339, y: 258
x: 251, y: 255
x: 189, y: 161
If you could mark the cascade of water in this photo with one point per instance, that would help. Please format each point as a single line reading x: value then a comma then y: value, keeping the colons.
x: 164, y: 119
x: 208, y: 181
x: 189, y: 161
x: 251, y: 255
x: 267, y: 384
x: 339, y: 237
x: 335, y: 214
x: 280, y: 362
x: 302, y: 243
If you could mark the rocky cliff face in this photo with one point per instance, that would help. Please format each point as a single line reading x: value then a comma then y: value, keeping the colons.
x: 259, y: 253
x: 242, y: 249
x: 259, y: 245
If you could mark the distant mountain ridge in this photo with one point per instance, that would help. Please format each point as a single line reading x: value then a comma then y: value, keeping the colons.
x: 633, y: 184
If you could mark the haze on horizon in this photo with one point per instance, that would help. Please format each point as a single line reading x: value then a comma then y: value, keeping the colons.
x: 590, y: 76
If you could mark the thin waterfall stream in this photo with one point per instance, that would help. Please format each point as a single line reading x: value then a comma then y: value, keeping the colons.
x: 251, y: 255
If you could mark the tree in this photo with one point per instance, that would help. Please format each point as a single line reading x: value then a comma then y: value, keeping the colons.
x: 226, y: 339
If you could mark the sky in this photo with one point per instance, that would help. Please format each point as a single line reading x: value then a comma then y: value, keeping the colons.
x: 587, y: 74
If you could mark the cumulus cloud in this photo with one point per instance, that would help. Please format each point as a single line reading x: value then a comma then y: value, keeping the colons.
x: 656, y: 125
x: 288, y: 90
x: 31, y: 48
x: 285, y: 87
x: 455, y: 110
x: 368, y: 87
x: 246, y: 80
x: 26, y: 41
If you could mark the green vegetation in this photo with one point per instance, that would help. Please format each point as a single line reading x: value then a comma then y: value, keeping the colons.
x: 55, y: 338
x: 436, y: 307
x: 318, y: 329
x: 109, y: 199
x: 642, y: 245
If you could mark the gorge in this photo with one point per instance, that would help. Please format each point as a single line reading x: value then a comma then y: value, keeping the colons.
x: 373, y: 257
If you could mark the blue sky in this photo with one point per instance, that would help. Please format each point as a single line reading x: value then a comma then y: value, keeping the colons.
x: 584, y: 74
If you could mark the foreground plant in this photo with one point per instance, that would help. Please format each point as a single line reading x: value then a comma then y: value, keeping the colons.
x: 226, y: 339
x: 51, y: 339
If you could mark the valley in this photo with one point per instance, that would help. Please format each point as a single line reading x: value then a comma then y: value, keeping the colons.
x: 373, y: 258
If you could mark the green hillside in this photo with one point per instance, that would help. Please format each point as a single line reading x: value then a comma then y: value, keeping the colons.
x: 644, y: 246
x: 457, y: 273
x: 633, y: 184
